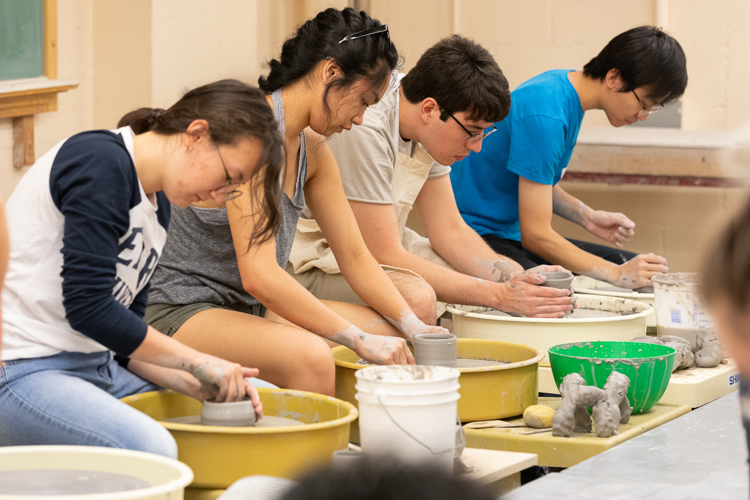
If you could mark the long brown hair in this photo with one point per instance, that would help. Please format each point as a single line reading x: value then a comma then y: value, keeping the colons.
x: 233, y: 110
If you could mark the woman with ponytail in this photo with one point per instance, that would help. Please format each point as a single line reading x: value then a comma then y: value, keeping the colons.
x: 213, y: 292
x: 88, y: 223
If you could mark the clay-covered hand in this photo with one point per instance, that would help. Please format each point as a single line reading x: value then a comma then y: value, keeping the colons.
x: 252, y: 393
x: 219, y: 379
x: 377, y: 349
x: 522, y: 295
x: 638, y: 271
x: 410, y: 325
x: 543, y: 269
x: 610, y: 226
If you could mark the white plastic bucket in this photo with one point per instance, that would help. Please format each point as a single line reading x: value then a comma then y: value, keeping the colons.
x: 678, y: 307
x: 409, y: 412
x: 167, y: 477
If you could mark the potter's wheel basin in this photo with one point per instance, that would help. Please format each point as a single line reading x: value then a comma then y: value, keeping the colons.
x: 627, y: 320
x: 487, y: 392
x: 221, y: 455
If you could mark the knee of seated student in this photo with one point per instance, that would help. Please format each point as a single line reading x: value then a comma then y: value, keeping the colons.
x: 152, y: 439
x: 314, y: 369
x: 418, y: 294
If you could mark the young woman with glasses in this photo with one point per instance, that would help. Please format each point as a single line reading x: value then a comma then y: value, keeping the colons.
x: 88, y: 223
x: 215, y: 293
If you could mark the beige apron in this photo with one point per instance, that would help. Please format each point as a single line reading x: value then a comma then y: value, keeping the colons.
x: 311, y: 249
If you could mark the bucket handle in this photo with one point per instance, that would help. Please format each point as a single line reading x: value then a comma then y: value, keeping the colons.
x: 460, y: 430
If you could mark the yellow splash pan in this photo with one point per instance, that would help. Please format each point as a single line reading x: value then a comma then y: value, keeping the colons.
x: 487, y: 393
x: 221, y: 455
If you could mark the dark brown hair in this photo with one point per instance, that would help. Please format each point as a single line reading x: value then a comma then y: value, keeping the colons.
x: 461, y: 76
x: 371, y: 58
x: 234, y: 111
x: 726, y: 268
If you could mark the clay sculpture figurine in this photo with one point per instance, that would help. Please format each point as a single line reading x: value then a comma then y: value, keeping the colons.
x: 609, y: 413
x: 577, y: 397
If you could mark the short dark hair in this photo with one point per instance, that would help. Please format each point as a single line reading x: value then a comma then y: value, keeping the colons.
x: 461, y: 76
x: 234, y: 110
x: 645, y: 56
x: 726, y: 269
x: 372, y: 57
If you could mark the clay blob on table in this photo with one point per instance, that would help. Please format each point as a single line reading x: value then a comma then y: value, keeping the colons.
x: 706, y: 353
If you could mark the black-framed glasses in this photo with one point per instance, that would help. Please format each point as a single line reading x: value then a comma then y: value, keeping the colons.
x: 645, y: 110
x: 473, y: 137
x: 368, y: 32
x: 227, y: 191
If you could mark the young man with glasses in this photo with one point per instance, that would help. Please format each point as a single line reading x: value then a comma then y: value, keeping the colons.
x: 510, y: 190
x: 398, y: 158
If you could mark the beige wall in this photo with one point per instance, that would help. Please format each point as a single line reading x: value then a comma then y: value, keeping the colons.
x: 130, y: 53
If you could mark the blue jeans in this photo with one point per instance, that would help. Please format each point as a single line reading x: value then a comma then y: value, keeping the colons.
x: 73, y: 398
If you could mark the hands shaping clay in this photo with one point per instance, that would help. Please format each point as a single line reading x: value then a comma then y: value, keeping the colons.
x: 706, y: 354
x: 610, y: 406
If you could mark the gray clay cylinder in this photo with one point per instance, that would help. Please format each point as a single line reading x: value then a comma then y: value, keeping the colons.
x: 435, y: 349
x: 557, y: 279
x: 343, y: 459
x: 234, y: 414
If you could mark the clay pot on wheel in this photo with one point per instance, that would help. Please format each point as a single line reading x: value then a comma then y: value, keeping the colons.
x: 435, y: 349
x: 557, y: 279
x: 234, y: 414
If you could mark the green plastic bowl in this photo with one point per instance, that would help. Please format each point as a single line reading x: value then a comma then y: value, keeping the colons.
x: 648, y: 366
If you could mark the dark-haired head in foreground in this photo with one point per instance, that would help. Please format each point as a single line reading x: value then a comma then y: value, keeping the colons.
x: 368, y: 481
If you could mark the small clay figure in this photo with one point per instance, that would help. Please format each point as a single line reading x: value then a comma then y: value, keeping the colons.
x: 615, y: 409
x: 577, y: 397
x: 686, y: 355
x: 708, y: 350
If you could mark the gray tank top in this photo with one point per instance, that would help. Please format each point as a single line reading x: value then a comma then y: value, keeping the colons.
x: 199, y: 263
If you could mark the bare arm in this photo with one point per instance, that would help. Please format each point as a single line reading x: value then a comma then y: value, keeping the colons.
x: 610, y: 226
x: 182, y: 382
x: 535, y: 207
x: 325, y: 197
x: 214, y: 377
x: 454, y: 240
x: 379, y: 228
x: 264, y: 279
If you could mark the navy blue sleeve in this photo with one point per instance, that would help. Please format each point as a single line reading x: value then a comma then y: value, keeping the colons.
x: 141, y: 301
x: 94, y: 184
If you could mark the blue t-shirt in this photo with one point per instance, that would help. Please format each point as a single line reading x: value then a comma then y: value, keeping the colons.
x: 535, y: 141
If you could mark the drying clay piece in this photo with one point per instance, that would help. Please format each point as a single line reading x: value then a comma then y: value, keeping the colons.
x: 615, y: 409
x: 675, y: 338
x: 577, y: 397
x: 683, y: 356
x: 538, y: 416
x: 708, y: 350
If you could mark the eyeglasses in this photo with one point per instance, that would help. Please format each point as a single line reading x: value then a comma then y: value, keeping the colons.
x: 473, y: 137
x: 227, y: 191
x: 371, y: 31
x: 646, y: 110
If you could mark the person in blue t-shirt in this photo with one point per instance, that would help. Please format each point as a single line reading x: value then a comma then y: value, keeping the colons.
x: 509, y: 191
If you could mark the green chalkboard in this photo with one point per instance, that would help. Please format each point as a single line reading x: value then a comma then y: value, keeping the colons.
x: 21, y: 39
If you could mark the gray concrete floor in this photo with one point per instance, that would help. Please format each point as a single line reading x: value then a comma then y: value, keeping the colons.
x: 701, y: 455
